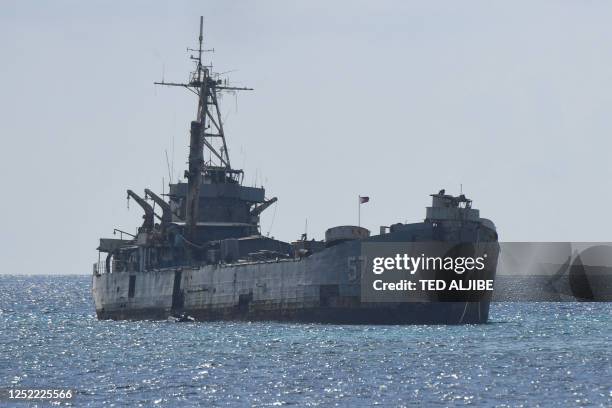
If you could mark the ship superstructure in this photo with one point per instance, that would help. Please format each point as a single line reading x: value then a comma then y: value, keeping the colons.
x: 211, y: 206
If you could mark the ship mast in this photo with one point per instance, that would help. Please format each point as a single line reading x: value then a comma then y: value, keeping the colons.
x: 207, y: 86
x: 207, y: 133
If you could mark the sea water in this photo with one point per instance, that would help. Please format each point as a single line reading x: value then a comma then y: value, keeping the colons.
x: 530, y: 354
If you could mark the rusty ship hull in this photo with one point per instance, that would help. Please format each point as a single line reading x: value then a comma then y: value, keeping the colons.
x: 324, y: 287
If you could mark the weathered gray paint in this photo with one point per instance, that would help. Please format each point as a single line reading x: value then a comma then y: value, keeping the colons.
x: 283, y: 289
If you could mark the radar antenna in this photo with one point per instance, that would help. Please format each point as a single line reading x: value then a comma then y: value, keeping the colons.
x: 202, y: 82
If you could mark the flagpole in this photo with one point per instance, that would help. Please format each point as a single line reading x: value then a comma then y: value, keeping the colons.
x: 359, y: 211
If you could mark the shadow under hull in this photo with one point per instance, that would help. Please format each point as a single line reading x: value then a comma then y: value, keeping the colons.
x: 405, y: 313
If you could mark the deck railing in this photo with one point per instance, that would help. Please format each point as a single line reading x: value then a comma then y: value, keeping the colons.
x: 99, y: 267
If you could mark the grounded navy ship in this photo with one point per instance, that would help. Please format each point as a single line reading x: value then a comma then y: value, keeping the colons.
x: 201, y: 255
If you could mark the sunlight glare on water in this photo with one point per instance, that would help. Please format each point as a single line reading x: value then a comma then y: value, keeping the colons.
x: 552, y: 354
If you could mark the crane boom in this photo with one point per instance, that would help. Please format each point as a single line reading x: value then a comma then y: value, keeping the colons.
x: 260, y: 208
x: 149, y: 214
x: 166, y: 209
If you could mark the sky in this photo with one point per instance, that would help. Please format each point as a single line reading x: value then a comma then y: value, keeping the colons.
x: 395, y: 100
